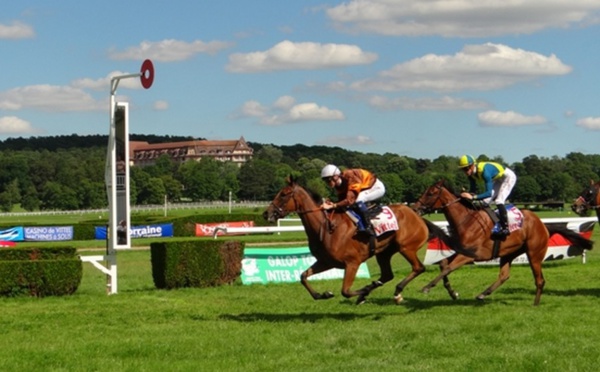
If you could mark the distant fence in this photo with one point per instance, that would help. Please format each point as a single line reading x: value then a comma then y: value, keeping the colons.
x: 150, y: 207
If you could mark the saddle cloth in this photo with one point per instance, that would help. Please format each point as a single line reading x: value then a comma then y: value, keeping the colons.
x: 515, y: 217
x: 383, y: 222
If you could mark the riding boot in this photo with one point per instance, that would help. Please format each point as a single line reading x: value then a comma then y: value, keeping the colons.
x: 503, y: 219
x: 363, y: 212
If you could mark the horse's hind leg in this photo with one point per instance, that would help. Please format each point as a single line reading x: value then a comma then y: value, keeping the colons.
x: 535, y: 263
x: 385, y: 265
x: 316, y: 268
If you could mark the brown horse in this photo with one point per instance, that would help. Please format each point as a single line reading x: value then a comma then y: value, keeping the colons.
x: 333, y: 241
x: 588, y: 199
x: 471, y: 226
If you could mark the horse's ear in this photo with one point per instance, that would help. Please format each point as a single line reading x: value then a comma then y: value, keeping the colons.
x: 291, y: 179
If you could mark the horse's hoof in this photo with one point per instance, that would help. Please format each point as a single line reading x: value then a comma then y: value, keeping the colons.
x: 361, y: 301
x: 398, y: 298
x: 425, y: 289
x: 327, y: 295
x: 455, y: 296
x: 481, y: 297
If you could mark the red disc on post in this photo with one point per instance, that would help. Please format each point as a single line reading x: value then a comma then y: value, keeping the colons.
x: 147, y: 74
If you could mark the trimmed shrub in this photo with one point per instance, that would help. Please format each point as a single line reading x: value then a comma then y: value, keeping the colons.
x: 39, y: 272
x: 177, y: 264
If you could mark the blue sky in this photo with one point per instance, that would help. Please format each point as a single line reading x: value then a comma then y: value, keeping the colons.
x: 411, y: 77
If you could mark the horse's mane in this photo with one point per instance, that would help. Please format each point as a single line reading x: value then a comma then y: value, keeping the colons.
x: 466, y: 203
x: 315, y: 196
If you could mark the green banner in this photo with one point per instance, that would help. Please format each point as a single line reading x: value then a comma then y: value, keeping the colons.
x: 280, y: 265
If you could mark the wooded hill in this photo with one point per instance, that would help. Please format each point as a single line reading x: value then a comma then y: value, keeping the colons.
x: 67, y: 173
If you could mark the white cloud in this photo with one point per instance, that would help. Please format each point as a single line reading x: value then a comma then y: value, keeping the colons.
x: 253, y: 109
x: 16, y: 30
x: 461, y: 18
x: 284, y: 110
x: 477, y: 67
x: 426, y: 103
x: 288, y: 55
x: 160, y: 105
x: 591, y: 123
x: 15, y: 125
x: 508, y: 119
x: 50, y: 98
x: 284, y: 102
x: 169, y: 50
x: 346, y: 141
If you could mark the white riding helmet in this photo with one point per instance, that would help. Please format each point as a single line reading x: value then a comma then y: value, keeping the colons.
x: 330, y: 170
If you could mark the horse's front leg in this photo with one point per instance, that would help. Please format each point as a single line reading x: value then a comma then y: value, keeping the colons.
x: 459, y: 261
x: 453, y: 294
x: 349, y: 276
x: 503, y: 276
x: 383, y: 260
x: 316, y: 268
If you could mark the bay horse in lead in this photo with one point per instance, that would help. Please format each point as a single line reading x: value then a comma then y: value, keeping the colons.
x: 333, y: 241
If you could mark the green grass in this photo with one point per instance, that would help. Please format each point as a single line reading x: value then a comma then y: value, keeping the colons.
x: 279, y: 327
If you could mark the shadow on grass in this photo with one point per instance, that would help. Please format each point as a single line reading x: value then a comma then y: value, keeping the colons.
x: 302, y: 317
x: 409, y: 306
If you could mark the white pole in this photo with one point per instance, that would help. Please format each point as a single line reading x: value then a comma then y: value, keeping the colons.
x: 229, y: 202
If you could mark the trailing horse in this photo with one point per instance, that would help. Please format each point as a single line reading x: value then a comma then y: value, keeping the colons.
x: 589, y: 199
x: 471, y: 228
x: 333, y: 241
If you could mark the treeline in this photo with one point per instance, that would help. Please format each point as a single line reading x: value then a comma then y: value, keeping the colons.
x: 67, y: 173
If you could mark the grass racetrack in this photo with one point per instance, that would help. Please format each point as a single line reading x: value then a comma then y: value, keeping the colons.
x: 278, y: 327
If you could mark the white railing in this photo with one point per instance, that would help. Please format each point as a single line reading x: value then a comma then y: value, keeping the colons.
x: 150, y: 207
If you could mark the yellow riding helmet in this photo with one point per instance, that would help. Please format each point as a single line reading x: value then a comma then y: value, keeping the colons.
x: 466, y: 161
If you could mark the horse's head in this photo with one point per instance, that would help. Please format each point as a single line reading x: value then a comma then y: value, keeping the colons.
x: 433, y: 199
x: 284, y: 202
x: 588, y: 199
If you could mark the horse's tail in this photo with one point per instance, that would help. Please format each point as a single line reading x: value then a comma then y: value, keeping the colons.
x: 575, y: 238
x: 450, y: 240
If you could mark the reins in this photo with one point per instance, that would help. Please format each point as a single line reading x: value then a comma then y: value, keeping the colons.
x: 467, y: 216
x: 588, y: 204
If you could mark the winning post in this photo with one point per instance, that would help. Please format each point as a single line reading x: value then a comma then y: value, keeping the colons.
x: 116, y: 177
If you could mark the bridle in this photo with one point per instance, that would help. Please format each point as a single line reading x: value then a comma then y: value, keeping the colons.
x: 588, y: 201
x: 428, y: 207
x: 284, y: 199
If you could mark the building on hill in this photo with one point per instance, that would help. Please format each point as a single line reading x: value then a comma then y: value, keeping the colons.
x: 142, y: 154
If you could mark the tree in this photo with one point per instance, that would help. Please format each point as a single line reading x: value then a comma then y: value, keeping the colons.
x: 30, y: 200
x: 10, y: 196
x: 58, y: 197
x: 173, y: 188
x: 257, y: 179
x: 526, y: 189
x: 394, y: 188
x: 201, y: 180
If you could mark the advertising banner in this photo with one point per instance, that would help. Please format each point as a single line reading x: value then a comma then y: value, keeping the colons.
x: 207, y: 229
x: 281, y: 265
x: 48, y: 233
x: 146, y: 231
x: 14, y: 234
